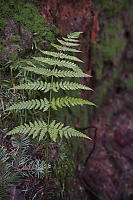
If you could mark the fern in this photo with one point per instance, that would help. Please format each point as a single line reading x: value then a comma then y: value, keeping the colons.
x: 39, y: 128
x: 45, y: 104
x: 52, y: 130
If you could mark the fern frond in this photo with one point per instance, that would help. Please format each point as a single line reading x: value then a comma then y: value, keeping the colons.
x: 31, y: 104
x: 60, y: 63
x: 74, y: 35
x: 68, y: 43
x: 68, y: 101
x: 66, y: 85
x: 56, y: 73
x: 40, y: 128
x: 61, y: 55
x: 70, y: 40
x: 61, y: 48
x: 43, y: 104
x: 35, y: 129
x: 55, y: 86
x: 58, y: 129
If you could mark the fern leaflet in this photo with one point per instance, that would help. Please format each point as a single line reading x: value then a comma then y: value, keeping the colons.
x: 55, y: 86
x: 61, y: 48
x: 70, y: 40
x: 68, y: 43
x: 61, y: 55
x: 59, y: 63
x: 74, y: 35
x: 55, y: 72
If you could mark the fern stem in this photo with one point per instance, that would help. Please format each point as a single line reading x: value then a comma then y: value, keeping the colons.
x: 47, y: 142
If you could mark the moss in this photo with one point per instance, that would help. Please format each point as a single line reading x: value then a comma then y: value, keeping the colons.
x: 27, y: 16
x: 30, y: 19
x: 51, y: 33
x: 107, y: 86
x: 16, y: 39
x: 13, y: 56
x: 129, y: 81
x: 112, y: 7
x: 108, y: 6
x: 110, y: 44
x: 108, y: 48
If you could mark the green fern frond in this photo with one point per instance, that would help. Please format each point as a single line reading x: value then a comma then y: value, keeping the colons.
x: 55, y: 72
x: 55, y: 86
x: 61, y: 48
x: 70, y: 40
x: 35, y: 129
x: 74, y: 35
x: 68, y: 101
x: 40, y: 128
x: 58, y: 129
x: 60, y: 63
x: 68, y: 43
x: 44, y: 104
x: 31, y: 104
x: 61, y: 55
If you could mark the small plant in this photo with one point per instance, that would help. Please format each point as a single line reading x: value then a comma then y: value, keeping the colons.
x: 16, y: 164
x: 51, y: 130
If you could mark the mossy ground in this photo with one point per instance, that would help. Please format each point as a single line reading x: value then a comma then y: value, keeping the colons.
x: 28, y: 17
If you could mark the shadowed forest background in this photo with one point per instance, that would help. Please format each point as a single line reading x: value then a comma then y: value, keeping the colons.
x: 79, y: 169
